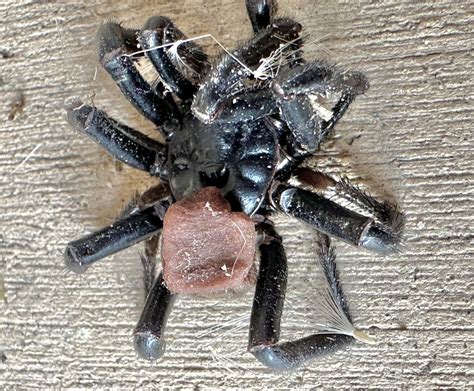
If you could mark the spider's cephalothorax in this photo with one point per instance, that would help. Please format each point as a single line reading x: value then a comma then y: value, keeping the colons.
x: 237, y: 130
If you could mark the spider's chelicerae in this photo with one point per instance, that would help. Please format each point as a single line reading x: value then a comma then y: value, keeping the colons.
x: 236, y: 133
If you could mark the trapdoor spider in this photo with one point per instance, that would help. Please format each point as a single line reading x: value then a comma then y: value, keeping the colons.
x: 236, y: 133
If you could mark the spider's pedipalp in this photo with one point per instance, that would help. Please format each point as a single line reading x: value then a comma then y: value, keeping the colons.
x: 149, y: 197
x: 157, y: 196
x: 149, y: 263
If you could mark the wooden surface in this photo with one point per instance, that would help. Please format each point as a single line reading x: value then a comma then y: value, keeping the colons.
x: 409, y: 139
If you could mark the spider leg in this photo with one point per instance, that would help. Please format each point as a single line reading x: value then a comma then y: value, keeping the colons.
x: 140, y: 202
x: 334, y: 220
x: 148, y: 198
x: 261, y: 13
x: 148, y: 334
x: 231, y: 74
x: 120, y: 141
x: 247, y: 106
x: 137, y: 222
x: 386, y: 213
x: 123, y: 233
x: 321, y: 78
x: 115, y: 45
x: 268, y: 307
x: 292, y: 90
x: 175, y: 65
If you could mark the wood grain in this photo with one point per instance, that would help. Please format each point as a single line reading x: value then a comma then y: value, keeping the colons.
x: 409, y: 139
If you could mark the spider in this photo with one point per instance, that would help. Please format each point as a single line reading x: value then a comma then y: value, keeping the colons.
x: 237, y: 131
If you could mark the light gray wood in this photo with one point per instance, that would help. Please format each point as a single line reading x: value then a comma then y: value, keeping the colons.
x: 415, y: 146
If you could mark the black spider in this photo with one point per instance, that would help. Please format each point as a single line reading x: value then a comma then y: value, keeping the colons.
x: 236, y: 132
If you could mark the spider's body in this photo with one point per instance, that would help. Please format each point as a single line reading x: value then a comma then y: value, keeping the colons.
x: 235, y: 132
x: 238, y: 158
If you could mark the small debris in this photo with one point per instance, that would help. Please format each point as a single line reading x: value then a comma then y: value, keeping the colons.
x: 416, y: 274
x: 353, y: 138
x: 224, y: 269
x: 402, y: 327
x: 118, y: 165
x: 17, y: 106
x: 5, y: 53
x: 2, y: 290
x: 26, y: 158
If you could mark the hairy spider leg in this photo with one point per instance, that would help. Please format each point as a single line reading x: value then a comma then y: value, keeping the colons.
x: 148, y: 334
x: 347, y: 97
x: 143, y: 200
x: 247, y: 106
x: 230, y: 75
x: 268, y: 307
x: 261, y: 13
x: 333, y: 219
x: 153, y: 36
x: 120, y: 141
x: 292, y: 90
x: 115, y: 45
x: 386, y: 213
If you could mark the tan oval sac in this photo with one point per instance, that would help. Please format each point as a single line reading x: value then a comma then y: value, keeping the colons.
x: 206, y: 247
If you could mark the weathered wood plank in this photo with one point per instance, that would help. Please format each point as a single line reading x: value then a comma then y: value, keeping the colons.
x: 409, y: 138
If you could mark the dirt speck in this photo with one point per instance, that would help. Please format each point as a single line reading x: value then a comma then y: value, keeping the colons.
x: 2, y: 290
x: 5, y: 54
x: 16, y: 106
